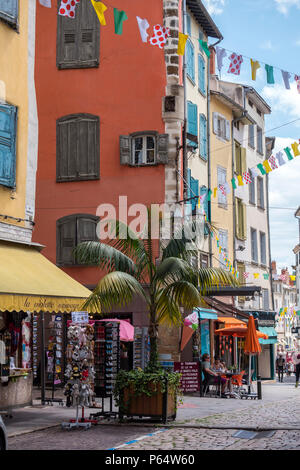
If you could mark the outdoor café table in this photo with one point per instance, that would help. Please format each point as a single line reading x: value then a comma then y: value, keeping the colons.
x: 229, y: 375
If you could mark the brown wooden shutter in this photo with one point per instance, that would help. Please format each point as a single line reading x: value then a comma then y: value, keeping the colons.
x: 89, y: 35
x: 66, y: 149
x: 88, y: 147
x: 66, y: 240
x: 86, y: 228
x: 162, y: 148
x: 126, y: 157
x: 67, y: 41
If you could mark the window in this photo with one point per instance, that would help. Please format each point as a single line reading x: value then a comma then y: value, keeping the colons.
x: 8, y: 134
x: 260, y: 193
x: 205, y: 206
x: 251, y: 141
x: 250, y: 104
x: 241, y: 225
x: 222, y: 175
x: 144, y: 148
x: 240, y: 159
x: 78, y: 38
x: 78, y: 147
x: 254, y: 254
x: 258, y: 111
x: 237, y: 125
x: 192, y: 190
x: 192, y: 124
x: 188, y: 25
x: 201, y: 74
x: 203, y: 260
x: 9, y: 12
x: 203, y: 136
x: 201, y: 37
x: 263, y: 253
x: 72, y: 230
x: 190, y: 60
x: 252, y: 192
x: 265, y: 299
x: 221, y: 126
x: 223, y: 239
x: 259, y: 140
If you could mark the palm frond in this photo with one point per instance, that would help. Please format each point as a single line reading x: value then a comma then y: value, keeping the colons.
x: 167, y: 311
x: 172, y: 269
x: 209, y: 278
x: 184, y: 244
x: 115, y: 288
x: 104, y: 256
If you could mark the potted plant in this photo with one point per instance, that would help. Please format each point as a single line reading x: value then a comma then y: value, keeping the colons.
x: 165, y: 287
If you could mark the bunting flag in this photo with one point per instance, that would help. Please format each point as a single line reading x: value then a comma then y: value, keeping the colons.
x: 45, y: 3
x: 272, y: 162
x: 67, y: 8
x: 235, y: 64
x: 270, y: 74
x: 297, y: 80
x: 182, y: 38
x: 246, y: 177
x: 287, y: 150
x: 254, y: 172
x: 160, y: 35
x: 256, y: 275
x: 286, y: 78
x: 119, y: 17
x: 143, y: 26
x: 204, y: 46
x: 246, y: 275
x: 266, y: 276
x: 233, y: 182
x: 240, y: 180
x: 221, y: 54
x: 267, y: 166
x: 255, y: 65
x: 100, y: 8
x: 261, y: 169
x: 295, y: 149
x: 279, y: 156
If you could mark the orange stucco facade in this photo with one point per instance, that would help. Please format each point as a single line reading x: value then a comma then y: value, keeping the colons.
x: 126, y: 92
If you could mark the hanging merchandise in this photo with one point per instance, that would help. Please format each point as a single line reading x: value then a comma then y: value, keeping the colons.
x: 80, y: 371
x: 100, y: 8
x: 221, y: 54
x: 286, y: 78
x: 143, y: 26
x: 255, y: 65
x: 235, y: 64
x: 204, y: 46
x: 160, y: 35
x: 182, y: 38
x: 270, y: 74
x: 119, y: 17
x: 67, y: 8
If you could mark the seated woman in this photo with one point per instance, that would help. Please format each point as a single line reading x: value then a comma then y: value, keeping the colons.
x: 215, y: 376
x: 221, y: 368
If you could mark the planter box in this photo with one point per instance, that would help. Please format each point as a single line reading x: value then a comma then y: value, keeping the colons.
x: 160, y: 406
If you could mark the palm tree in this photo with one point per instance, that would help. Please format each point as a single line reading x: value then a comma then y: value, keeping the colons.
x: 132, y: 270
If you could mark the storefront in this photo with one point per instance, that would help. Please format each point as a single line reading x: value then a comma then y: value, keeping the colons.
x: 30, y: 286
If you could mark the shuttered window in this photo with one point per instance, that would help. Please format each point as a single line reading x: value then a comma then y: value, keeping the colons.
x: 78, y: 38
x: 9, y: 12
x: 203, y: 136
x: 195, y: 192
x: 78, y: 147
x: 144, y: 148
x: 254, y: 252
x: 8, y: 130
x: 260, y: 193
x: 223, y: 240
x: 241, y: 224
x: 201, y: 74
x: 205, y: 205
x: 251, y: 138
x: 222, y: 175
x: 263, y: 248
x: 221, y: 126
x: 190, y: 60
x: 72, y: 230
x: 192, y: 124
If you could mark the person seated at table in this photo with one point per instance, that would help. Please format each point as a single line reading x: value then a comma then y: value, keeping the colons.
x: 221, y: 367
x: 207, y: 369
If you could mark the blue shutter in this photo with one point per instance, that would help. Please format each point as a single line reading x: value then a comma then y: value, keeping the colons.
x: 9, y: 10
x: 8, y: 120
x: 188, y: 25
x: 192, y: 117
x: 195, y: 192
x: 203, y: 136
x: 204, y: 190
x: 201, y: 74
x: 190, y: 60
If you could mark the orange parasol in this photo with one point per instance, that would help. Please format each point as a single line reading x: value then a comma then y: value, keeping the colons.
x: 252, y: 345
x: 238, y: 332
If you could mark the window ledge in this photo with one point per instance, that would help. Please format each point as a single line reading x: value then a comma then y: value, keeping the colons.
x: 203, y: 158
x: 202, y: 93
x: 251, y: 146
x: 191, y: 80
x: 255, y: 263
x: 222, y: 206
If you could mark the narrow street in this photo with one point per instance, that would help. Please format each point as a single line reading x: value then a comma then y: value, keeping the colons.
x: 201, y: 424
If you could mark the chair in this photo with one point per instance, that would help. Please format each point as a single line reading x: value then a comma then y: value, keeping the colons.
x: 238, y: 382
x: 209, y: 381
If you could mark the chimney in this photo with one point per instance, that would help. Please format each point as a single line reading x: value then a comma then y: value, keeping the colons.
x: 274, y: 267
x: 212, y: 61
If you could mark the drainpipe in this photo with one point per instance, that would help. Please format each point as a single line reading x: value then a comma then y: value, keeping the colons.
x: 269, y: 243
x: 184, y: 131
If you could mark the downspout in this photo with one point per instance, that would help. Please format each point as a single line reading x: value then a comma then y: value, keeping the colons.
x: 269, y: 243
x: 184, y: 131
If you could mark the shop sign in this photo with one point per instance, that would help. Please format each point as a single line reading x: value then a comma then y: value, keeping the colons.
x: 190, y: 380
x: 80, y: 317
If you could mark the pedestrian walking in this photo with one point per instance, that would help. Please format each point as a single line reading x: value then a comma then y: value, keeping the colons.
x: 280, y: 365
x: 296, y: 361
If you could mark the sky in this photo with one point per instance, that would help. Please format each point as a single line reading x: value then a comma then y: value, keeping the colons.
x: 268, y: 31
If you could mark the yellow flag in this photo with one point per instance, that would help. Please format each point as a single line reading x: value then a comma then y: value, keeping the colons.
x: 267, y: 167
x: 254, y: 67
x: 215, y: 192
x: 240, y: 180
x: 100, y: 9
x: 256, y: 275
x: 181, y: 43
x: 295, y: 149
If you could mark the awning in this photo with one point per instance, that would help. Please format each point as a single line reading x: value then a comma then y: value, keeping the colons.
x: 206, y: 313
x: 272, y: 335
x: 231, y: 321
x: 30, y: 282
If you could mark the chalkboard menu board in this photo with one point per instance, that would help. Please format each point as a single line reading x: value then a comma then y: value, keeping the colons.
x: 190, y: 381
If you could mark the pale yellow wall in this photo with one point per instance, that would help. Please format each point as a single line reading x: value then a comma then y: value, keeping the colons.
x: 14, y: 80
x: 221, y: 154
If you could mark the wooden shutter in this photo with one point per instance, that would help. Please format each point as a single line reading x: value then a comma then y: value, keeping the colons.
x: 244, y: 211
x: 237, y: 225
x: 9, y: 12
x: 192, y: 116
x: 162, y: 142
x: 227, y: 130
x: 126, y: 157
x: 195, y: 192
x: 66, y: 240
x: 190, y: 60
x: 78, y: 38
x: 78, y: 147
x: 203, y: 136
x: 86, y: 228
x: 243, y: 160
x: 204, y: 191
x: 8, y: 128
x: 201, y: 73
x: 238, y: 164
x: 215, y: 123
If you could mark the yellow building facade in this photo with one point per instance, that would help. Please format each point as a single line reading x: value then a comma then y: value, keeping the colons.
x: 18, y: 119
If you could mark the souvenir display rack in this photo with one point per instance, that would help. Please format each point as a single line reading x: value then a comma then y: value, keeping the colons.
x: 55, y: 358
x: 141, y: 348
x: 80, y: 372
x: 107, y: 362
x: 35, y: 356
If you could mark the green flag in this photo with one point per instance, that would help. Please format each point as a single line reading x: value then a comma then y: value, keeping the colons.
x: 120, y: 17
x: 204, y: 46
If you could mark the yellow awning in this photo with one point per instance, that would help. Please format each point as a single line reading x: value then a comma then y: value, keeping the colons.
x: 30, y: 282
